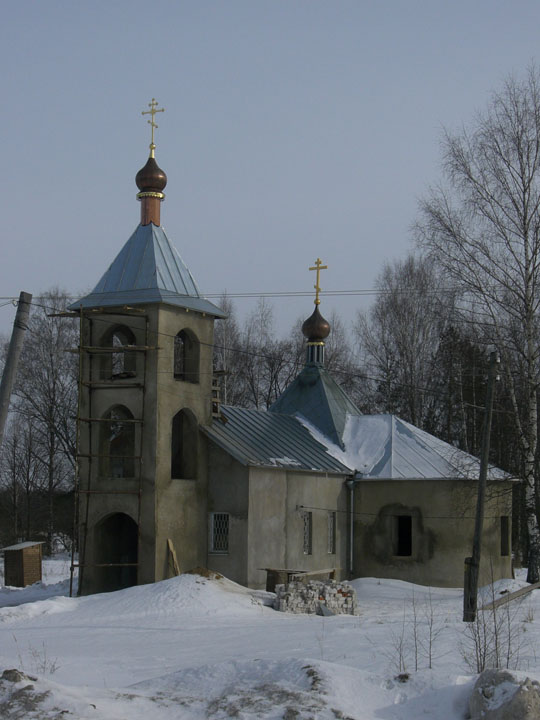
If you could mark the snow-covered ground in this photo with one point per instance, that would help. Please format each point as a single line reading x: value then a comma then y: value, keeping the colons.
x: 194, y: 647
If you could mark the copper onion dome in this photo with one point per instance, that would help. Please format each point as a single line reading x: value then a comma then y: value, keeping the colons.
x: 151, y: 177
x: 316, y: 328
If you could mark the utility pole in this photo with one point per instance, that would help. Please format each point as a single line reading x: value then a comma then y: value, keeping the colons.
x: 472, y: 564
x: 15, y: 346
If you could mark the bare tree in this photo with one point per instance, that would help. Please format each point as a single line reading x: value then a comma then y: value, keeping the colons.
x: 399, y: 338
x: 46, y: 392
x: 482, y: 228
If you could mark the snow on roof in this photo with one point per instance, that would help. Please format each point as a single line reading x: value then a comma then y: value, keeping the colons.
x: 21, y: 545
x: 386, y: 447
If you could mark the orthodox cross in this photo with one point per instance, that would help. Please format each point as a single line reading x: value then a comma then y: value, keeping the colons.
x: 152, y: 105
x: 318, y: 267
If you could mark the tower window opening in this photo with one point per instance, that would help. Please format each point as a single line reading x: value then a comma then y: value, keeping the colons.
x: 186, y: 357
x: 184, y: 446
x: 118, y: 363
x: 117, y: 444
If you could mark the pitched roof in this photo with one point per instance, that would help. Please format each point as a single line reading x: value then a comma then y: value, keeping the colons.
x: 385, y: 447
x: 259, y: 438
x: 315, y: 395
x: 148, y: 269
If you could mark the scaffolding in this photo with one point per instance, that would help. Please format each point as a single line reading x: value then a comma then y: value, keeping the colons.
x: 91, y: 382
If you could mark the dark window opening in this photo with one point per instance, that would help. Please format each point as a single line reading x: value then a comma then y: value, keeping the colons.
x: 120, y: 364
x: 308, y: 533
x: 219, y: 532
x: 186, y: 357
x: 505, y: 535
x: 117, y: 446
x: 403, y: 535
x: 184, y: 446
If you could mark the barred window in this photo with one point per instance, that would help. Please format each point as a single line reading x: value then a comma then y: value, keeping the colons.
x: 331, y: 532
x: 219, y: 532
x: 308, y: 533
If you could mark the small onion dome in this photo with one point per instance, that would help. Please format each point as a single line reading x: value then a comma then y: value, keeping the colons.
x: 151, y: 177
x: 316, y: 328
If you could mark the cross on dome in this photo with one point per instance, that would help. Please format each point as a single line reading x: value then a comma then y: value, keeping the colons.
x: 152, y: 105
x: 318, y: 267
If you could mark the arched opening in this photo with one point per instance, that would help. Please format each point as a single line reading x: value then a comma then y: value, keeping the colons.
x: 118, y: 364
x: 117, y: 444
x: 184, y: 446
x: 186, y: 357
x: 116, y: 543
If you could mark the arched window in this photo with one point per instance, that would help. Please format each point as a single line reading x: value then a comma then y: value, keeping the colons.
x: 117, y: 444
x: 186, y: 356
x: 184, y: 446
x: 118, y: 364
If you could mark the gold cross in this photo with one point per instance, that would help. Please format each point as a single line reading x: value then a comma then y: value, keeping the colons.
x: 152, y: 105
x: 318, y: 267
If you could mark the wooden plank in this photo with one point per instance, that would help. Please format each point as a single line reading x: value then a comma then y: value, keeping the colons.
x: 508, y: 597
x: 172, y: 557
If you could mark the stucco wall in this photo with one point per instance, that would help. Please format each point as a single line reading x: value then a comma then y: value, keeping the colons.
x: 442, y: 514
x: 228, y: 485
x: 181, y: 503
x: 276, y: 526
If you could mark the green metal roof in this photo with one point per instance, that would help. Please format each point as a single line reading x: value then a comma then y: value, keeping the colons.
x: 315, y: 395
x: 259, y: 438
x: 148, y: 269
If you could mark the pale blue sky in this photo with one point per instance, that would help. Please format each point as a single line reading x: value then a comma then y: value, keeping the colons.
x: 293, y: 129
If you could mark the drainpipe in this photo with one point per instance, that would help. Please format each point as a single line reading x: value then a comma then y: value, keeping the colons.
x: 350, y: 483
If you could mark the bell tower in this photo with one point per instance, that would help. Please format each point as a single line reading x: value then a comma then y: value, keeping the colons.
x: 145, y: 387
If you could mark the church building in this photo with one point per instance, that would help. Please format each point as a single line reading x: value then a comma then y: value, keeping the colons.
x: 170, y: 480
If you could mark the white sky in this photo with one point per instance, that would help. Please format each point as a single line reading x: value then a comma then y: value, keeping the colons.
x: 293, y: 129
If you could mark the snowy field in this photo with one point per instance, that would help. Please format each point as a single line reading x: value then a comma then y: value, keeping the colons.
x: 194, y: 647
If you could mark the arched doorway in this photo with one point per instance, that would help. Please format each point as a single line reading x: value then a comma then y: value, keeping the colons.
x: 116, y: 542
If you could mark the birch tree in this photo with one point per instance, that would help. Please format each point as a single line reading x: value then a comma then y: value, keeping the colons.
x: 482, y: 228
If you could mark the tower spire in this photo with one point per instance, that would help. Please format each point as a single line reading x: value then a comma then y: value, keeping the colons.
x: 151, y: 180
x: 315, y: 329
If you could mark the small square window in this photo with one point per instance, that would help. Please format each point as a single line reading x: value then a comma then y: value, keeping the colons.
x: 219, y: 532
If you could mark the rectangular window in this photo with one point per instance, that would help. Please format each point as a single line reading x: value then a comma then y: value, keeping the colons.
x: 219, y: 532
x: 505, y: 535
x: 308, y: 533
x: 331, y: 532
x: 402, y: 535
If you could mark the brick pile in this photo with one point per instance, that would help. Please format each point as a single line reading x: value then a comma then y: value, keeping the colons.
x: 315, y: 596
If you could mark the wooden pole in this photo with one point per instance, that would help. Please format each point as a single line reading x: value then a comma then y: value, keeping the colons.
x: 472, y: 564
x: 15, y: 346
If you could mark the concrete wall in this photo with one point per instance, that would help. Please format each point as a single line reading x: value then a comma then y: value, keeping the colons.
x: 181, y: 504
x: 228, y: 490
x: 266, y: 526
x: 276, y: 525
x: 443, y: 514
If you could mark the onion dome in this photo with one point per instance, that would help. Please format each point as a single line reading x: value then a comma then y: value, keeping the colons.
x: 316, y: 328
x: 151, y: 177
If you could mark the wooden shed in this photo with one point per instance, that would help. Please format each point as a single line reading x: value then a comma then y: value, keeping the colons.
x: 22, y: 564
